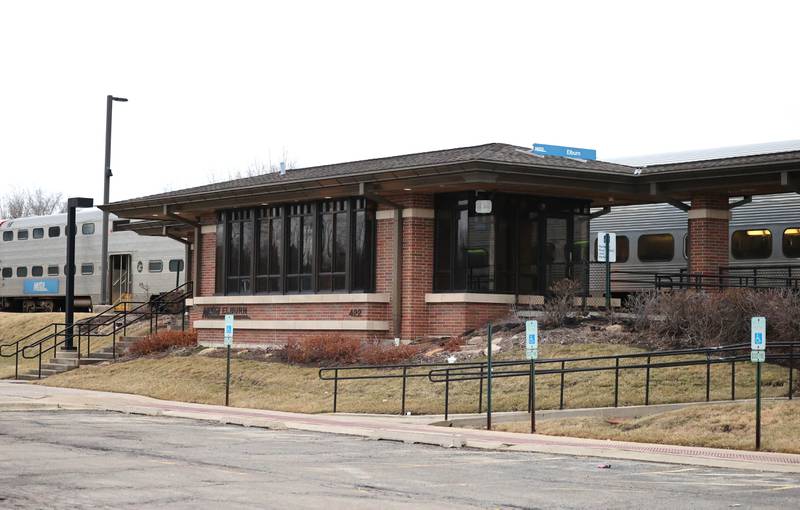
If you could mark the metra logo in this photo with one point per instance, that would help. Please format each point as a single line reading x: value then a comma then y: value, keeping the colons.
x: 40, y: 286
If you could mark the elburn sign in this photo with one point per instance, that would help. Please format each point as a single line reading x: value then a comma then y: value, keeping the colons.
x: 542, y: 149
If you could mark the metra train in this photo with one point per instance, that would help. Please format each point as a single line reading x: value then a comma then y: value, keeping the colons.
x: 652, y: 238
x: 33, y: 260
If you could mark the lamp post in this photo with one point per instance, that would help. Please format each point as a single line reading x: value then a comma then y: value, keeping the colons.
x: 106, y: 184
x: 69, y: 292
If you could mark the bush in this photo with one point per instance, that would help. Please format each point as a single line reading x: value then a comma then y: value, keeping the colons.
x: 562, y: 301
x: 692, y: 318
x: 163, y: 341
x: 340, y: 350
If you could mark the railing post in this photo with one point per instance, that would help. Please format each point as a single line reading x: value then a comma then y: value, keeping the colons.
x: 114, y: 340
x: 791, y: 367
x: 561, y: 392
x: 733, y: 380
x: 647, y: 383
x: 403, y: 397
x: 16, y: 361
x: 616, y: 382
x: 446, y: 393
x: 335, y: 387
x: 480, y: 392
x: 708, y: 376
x: 40, y: 360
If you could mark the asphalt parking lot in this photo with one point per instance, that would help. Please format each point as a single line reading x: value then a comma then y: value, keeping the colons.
x: 88, y: 459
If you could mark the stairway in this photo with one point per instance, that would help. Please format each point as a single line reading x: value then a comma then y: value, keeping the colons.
x: 68, y: 360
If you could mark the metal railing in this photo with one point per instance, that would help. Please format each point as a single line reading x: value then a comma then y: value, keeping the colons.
x: 451, y: 373
x: 131, y: 312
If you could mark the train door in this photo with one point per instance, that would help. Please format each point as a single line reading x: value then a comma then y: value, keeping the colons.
x: 121, y: 277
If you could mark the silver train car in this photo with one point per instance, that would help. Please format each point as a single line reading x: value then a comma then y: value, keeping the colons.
x: 33, y: 260
x: 653, y: 239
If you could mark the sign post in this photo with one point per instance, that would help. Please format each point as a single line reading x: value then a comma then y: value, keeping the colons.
x: 758, y: 346
x: 532, y: 353
x: 607, y: 252
x: 228, y: 343
x: 489, y: 379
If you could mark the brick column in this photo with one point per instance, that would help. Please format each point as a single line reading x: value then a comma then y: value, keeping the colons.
x: 709, y: 242
x: 208, y: 260
x: 417, y: 270
x: 384, y: 258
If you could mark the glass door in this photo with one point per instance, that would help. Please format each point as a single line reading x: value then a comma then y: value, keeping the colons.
x: 120, y: 277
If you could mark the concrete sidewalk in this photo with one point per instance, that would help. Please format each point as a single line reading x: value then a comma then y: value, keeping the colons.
x: 24, y: 396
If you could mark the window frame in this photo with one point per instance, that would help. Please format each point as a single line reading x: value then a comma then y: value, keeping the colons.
x: 654, y: 260
x: 180, y: 266
x: 50, y: 230
x: 34, y: 271
x: 20, y: 236
x: 22, y: 272
x: 52, y: 273
x: 150, y: 265
x: 41, y: 233
x: 746, y: 231
x: 784, y: 242
x: 8, y: 235
x: 7, y: 272
x: 84, y: 228
x: 87, y: 268
x: 619, y: 238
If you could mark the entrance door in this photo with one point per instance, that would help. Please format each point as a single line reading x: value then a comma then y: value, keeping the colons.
x: 556, y: 253
x: 120, y: 277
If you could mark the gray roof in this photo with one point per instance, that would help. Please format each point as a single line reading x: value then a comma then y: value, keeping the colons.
x: 488, y: 153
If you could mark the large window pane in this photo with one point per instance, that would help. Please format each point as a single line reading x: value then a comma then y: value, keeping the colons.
x: 791, y: 242
x: 656, y: 247
x: 751, y: 244
x: 528, y: 253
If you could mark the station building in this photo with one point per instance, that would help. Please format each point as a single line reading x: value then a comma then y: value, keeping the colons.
x: 427, y: 244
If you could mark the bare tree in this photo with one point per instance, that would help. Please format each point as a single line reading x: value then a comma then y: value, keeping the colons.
x: 35, y: 202
x: 256, y: 168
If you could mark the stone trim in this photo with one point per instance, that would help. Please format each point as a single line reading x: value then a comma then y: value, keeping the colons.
x: 208, y: 229
x: 322, y: 325
x: 292, y: 299
x: 714, y: 214
x: 474, y: 297
x: 410, y: 212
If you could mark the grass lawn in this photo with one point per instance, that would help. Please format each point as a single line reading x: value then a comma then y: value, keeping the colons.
x: 718, y: 426
x: 278, y: 386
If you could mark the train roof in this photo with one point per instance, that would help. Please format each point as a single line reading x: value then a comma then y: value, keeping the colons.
x: 709, y: 154
x: 82, y: 215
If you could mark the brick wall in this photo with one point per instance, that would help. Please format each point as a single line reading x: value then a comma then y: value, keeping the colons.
x: 709, y: 243
x: 453, y: 319
x: 208, y: 265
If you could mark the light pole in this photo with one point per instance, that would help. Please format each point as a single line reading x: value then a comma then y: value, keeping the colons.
x: 69, y: 292
x: 106, y: 184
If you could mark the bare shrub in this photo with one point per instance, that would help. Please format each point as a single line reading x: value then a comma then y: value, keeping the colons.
x: 340, y: 350
x: 562, y: 301
x: 375, y: 353
x: 163, y: 341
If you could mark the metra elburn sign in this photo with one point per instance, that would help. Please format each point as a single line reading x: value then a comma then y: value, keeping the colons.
x: 564, y: 152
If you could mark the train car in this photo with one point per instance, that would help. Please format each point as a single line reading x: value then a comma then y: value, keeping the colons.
x: 33, y: 257
x: 653, y: 238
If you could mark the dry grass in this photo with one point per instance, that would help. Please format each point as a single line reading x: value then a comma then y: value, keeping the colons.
x: 717, y: 426
x: 280, y: 386
x: 17, y: 325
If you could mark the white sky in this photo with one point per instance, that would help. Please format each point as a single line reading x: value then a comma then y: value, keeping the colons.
x: 214, y: 87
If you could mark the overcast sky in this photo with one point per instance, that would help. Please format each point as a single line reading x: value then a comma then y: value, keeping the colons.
x: 215, y: 87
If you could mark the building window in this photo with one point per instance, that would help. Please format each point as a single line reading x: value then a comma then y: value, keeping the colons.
x: 175, y: 265
x: 87, y: 268
x: 751, y: 244
x: 324, y: 246
x: 656, y: 247
x: 87, y: 229
x: 53, y: 231
x: 22, y: 272
x: 791, y: 242
x: 623, y: 248
x: 269, y: 256
x: 8, y: 235
x: 52, y: 270
x: 517, y: 244
x: 22, y: 235
x: 37, y: 271
x: 7, y: 272
x: 38, y: 233
x: 155, y: 266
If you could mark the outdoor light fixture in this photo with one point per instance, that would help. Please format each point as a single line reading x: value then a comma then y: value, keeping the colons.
x: 406, y: 189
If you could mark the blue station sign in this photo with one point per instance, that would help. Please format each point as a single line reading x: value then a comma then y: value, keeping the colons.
x: 32, y: 286
x: 564, y: 152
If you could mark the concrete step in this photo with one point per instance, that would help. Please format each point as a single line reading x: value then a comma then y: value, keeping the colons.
x: 58, y: 367
x: 65, y: 361
x: 28, y: 377
x: 102, y: 355
x: 92, y: 360
x: 60, y: 353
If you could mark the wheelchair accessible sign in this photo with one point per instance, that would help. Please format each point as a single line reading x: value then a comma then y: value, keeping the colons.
x: 532, y: 339
x: 229, y: 330
x: 758, y: 339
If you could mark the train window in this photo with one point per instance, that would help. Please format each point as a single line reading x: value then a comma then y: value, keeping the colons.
x: 22, y: 235
x: 53, y: 231
x: 155, y: 266
x: 87, y: 229
x: 656, y: 247
x: 38, y: 233
x: 751, y: 244
x: 52, y: 270
x: 87, y: 268
x: 623, y: 248
x: 37, y: 271
x: 791, y: 242
x: 175, y: 265
x: 22, y: 272
x: 8, y: 235
x: 7, y: 272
